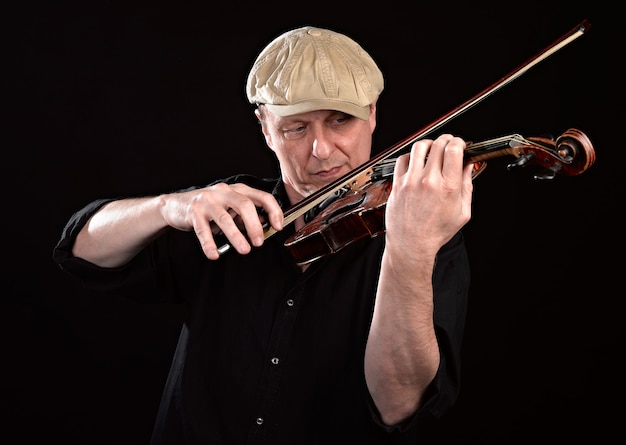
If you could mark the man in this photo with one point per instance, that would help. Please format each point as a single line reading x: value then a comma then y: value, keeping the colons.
x: 362, y: 344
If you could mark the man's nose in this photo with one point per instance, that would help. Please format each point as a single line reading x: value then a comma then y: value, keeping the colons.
x: 322, y: 146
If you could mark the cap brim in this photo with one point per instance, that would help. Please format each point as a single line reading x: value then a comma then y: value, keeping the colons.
x: 316, y: 105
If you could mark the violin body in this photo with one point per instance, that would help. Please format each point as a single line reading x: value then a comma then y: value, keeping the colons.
x: 358, y: 214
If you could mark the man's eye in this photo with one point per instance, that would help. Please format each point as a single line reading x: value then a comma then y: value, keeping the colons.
x: 342, y: 119
x: 293, y: 133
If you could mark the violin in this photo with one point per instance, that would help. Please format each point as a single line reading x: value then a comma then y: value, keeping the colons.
x: 353, y: 206
x: 353, y: 214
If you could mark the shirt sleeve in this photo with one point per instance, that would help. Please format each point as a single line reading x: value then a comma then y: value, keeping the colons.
x: 62, y: 252
x: 153, y: 275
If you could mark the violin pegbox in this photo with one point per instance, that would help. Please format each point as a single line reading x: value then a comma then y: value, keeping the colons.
x: 571, y: 154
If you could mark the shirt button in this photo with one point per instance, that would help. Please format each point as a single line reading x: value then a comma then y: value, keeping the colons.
x: 259, y: 420
x: 290, y: 302
x: 274, y: 360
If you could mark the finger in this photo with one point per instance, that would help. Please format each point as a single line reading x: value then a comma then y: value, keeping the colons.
x: 452, y: 158
x: 231, y: 226
x: 255, y: 211
x: 401, y: 167
x: 468, y: 173
x: 212, y: 212
x: 436, y: 153
x: 204, y: 231
x: 270, y: 208
x: 419, y: 154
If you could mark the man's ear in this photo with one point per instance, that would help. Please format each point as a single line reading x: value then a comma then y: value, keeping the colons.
x: 372, y: 118
x: 266, y: 134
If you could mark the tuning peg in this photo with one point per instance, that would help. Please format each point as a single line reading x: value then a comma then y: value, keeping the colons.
x: 548, y: 173
x: 521, y: 161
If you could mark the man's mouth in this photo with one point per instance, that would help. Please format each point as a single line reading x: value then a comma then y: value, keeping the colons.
x: 329, y: 173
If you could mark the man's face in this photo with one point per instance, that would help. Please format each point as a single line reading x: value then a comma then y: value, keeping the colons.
x: 318, y: 147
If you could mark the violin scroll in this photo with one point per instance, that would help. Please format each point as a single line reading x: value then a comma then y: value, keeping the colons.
x: 571, y: 154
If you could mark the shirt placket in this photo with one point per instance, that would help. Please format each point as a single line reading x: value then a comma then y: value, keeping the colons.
x: 277, y: 355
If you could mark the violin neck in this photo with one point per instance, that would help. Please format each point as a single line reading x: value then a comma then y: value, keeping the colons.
x: 494, y: 148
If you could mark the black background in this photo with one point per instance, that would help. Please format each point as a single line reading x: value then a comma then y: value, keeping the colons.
x: 130, y: 98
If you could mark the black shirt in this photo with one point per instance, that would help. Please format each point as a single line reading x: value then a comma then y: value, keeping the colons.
x: 268, y: 354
